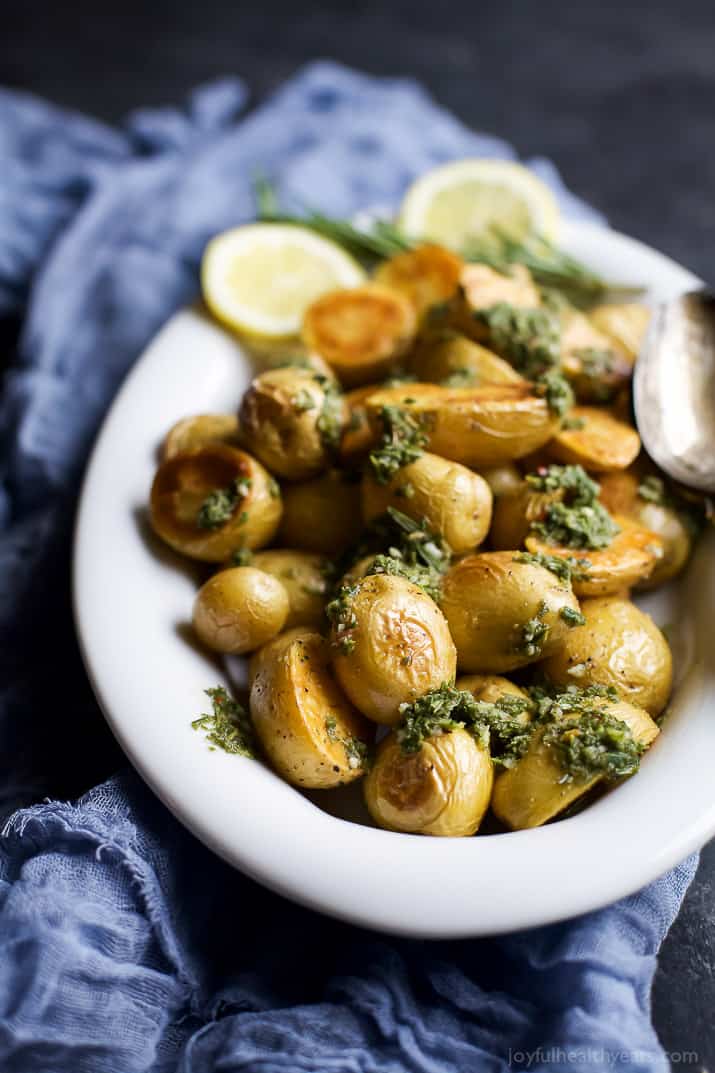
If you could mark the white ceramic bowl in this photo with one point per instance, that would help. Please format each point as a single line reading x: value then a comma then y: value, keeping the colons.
x: 133, y: 602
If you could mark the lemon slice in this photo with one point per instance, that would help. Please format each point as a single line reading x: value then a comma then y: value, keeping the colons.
x: 260, y: 279
x: 462, y: 201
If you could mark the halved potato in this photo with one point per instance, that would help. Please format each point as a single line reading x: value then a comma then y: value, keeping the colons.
x: 186, y: 482
x: 453, y: 500
x: 456, y: 358
x: 620, y: 646
x: 322, y: 515
x: 361, y: 332
x: 534, y: 789
x: 602, y: 442
x: 443, y: 789
x: 491, y: 688
x: 484, y: 287
x: 198, y: 431
x: 475, y: 426
x: 426, y: 276
x: 629, y: 559
x: 311, y: 733
x: 624, y: 323
x: 393, y: 647
x: 239, y: 609
x: 304, y: 577
x: 596, y: 366
x: 503, y: 613
x: 515, y: 514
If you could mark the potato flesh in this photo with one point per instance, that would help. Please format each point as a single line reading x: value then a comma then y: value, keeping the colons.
x: 181, y: 486
x: 427, y: 276
x: 604, y: 443
x: 401, y: 648
x: 452, y: 499
x: 534, y: 791
x: 483, y: 288
x: 301, y: 716
x: 303, y: 575
x: 478, y: 427
x: 625, y: 324
x: 488, y: 599
x: 437, y: 359
x: 491, y: 688
x: 239, y: 609
x: 444, y: 789
x: 619, y: 646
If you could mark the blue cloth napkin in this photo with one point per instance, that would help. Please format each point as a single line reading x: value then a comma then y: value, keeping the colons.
x: 125, y: 946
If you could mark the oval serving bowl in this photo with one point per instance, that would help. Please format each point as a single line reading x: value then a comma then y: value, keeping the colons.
x: 149, y: 680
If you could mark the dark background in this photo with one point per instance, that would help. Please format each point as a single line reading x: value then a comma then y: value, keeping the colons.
x: 621, y: 96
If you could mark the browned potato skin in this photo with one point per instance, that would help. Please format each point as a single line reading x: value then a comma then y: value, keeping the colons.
x: 475, y: 426
x: 532, y: 792
x: 619, y: 493
x: 625, y: 325
x: 198, y: 431
x: 239, y: 609
x: 361, y: 333
x: 293, y: 693
x: 182, y: 484
x: 435, y: 359
x: 427, y: 276
x: 452, y: 499
x: 630, y: 558
x: 619, y: 646
x: 487, y: 598
x: 302, y: 573
x: 602, y: 445
x: 322, y: 515
x: 515, y: 514
x: 402, y: 648
x: 286, y: 438
x: 444, y: 789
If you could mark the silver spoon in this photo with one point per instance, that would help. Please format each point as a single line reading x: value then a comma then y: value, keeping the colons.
x: 674, y: 389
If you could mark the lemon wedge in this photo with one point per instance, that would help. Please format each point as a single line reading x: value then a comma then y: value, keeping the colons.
x: 464, y: 200
x: 260, y: 279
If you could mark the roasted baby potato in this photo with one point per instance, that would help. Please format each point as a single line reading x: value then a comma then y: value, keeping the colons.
x: 198, y: 431
x: 620, y: 493
x: 534, y: 790
x: 504, y: 613
x: 456, y: 361
x: 600, y: 444
x: 475, y: 426
x: 309, y: 730
x: 443, y: 789
x: 427, y: 276
x: 515, y: 514
x: 452, y: 499
x: 207, y: 502
x: 503, y: 480
x: 240, y: 609
x: 292, y: 421
x: 390, y: 645
x: 595, y: 365
x: 483, y: 287
x: 620, y: 646
x: 304, y: 577
x: 624, y: 324
x: 322, y: 515
x: 358, y: 435
x: 630, y: 558
x: 490, y: 687
x: 362, y: 332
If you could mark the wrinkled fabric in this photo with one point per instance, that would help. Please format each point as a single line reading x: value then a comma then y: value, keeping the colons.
x: 125, y: 945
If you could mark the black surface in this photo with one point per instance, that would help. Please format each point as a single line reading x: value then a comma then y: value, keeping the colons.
x: 620, y: 96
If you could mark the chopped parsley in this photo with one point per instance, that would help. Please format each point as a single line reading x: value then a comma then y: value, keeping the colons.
x: 597, y: 367
x: 565, y: 570
x: 579, y: 487
x: 572, y: 617
x: 242, y: 557
x: 330, y: 421
x: 528, y: 338
x: 403, y: 441
x: 578, y: 520
x: 357, y: 752
x: 555, y: 388
x: 534, y: 633
x: 342, y: 618
x: 426, y: 578
x: 221, y: 503
x: 594, y: 743
x: 228, y: 727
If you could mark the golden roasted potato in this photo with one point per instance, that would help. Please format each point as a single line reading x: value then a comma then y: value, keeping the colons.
x: 619, y: 493
x: 292, y: 421
x: 490, y: 688
x: 390, y: 645
x: 630, y: 558
x: 624, y: 324
x: 207, y: 502
x: 475, y: 426
x: 443, y: 789
x: 427, y: 276
x: 620, y: 646
x: 460, y: 361
x: 601, y: 443
x: 534, y: 790
x: 595, y: 365
x: 304, y: 577
x: 503, y: 480
x: 313, y: 363
x: 504, y: 613
x: 310, y: 731
x: 483, y: 287
x: 198, y: 431
x: 358, y: 435
x: 453, y: 500
x: 515, y: 514
x: 322, y: 515
x: 361, y: 333
x: 239, y: 609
